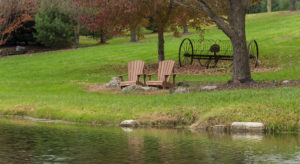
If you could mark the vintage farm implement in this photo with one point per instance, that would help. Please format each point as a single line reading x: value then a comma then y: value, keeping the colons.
x: 207, y: 52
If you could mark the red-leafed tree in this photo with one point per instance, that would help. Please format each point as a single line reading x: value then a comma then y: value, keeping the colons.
x: 114, y: 16
x: 134, y: 13
x: 103, y: 16
x: 14, y: 14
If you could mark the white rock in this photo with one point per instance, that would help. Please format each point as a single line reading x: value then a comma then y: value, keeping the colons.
x: 285, y: 81
x: 149, y: 88
x: 20, y: 48
x: 247, y: 127
x: 129, y: 123
x: 209, y: 87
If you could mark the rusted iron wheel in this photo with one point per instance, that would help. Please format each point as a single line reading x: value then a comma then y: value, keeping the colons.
x: 253, y: 52
x: 186, y: 52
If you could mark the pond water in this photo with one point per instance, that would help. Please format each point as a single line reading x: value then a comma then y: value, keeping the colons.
x: 29, y: 142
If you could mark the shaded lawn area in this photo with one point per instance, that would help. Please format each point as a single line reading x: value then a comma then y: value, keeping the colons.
x: 51, y: 84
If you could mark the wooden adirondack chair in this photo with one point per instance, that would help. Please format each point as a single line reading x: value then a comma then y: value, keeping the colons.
x: 135, y: 71
x: 165, y: 71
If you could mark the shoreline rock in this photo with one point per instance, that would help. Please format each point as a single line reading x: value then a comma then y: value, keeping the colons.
x: 129, y: 124
x: 247, y: 127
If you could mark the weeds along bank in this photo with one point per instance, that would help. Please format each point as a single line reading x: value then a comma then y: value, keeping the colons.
x: 51, y: 85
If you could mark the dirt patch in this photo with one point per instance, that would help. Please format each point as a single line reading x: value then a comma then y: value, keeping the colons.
x: 285, y: 38
x: 198, y: 69
x: 287, y: 12
x: 194, y: 87
x: 22, y: 109
x: 259, y: 15
x: 139, y: 41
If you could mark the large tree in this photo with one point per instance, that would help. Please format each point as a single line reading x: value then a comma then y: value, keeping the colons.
x: 293, y: 5
x: 233, y: 25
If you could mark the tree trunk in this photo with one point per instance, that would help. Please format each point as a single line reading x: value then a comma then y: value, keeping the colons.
x: 133, y: 34
x: 293, y: 5
x: 234, y: 28
x: 102, y: 37
x: 269, y: 6
x: 161, y: 44
x: 77, y: 35
x: 185, y: 29
x: 241, y: 71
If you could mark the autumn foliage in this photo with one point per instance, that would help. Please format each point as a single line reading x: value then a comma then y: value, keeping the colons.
x: 13, y: 15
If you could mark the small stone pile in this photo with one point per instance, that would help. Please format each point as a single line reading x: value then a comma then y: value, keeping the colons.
x: 133, y: 88
x: 114, y: 83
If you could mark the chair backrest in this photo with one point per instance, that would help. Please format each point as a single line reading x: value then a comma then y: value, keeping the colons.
x: 135, y: 68
x: 165, y: 68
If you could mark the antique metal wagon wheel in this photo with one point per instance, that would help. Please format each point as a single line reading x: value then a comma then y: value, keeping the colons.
x: 253, y: 54
x: 186, y: 52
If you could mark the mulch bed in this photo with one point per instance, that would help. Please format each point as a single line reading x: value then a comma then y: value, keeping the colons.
x: 197, y: 87
x: 197, y: 69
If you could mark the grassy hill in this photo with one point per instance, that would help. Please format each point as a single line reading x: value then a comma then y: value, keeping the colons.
x: 51, y: 84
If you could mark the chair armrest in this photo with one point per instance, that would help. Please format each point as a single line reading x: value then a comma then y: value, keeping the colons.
x: 121, y: 77
x: 139, y: 76
x: 149, y: 76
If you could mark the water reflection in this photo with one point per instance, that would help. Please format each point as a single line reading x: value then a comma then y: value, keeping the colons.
x: 27, y: 142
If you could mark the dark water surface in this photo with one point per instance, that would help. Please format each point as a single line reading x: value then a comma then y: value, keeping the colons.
x: 28, y: 142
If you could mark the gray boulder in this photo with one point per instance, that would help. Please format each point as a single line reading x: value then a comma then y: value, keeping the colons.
x: 133, y: 88
x: 114, y: 83
x: 20, y: 49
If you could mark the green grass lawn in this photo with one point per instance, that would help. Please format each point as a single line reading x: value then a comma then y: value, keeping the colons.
x: 51, y: 84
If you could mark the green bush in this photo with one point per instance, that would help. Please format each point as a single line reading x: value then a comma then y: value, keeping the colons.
x: 54, y: 27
